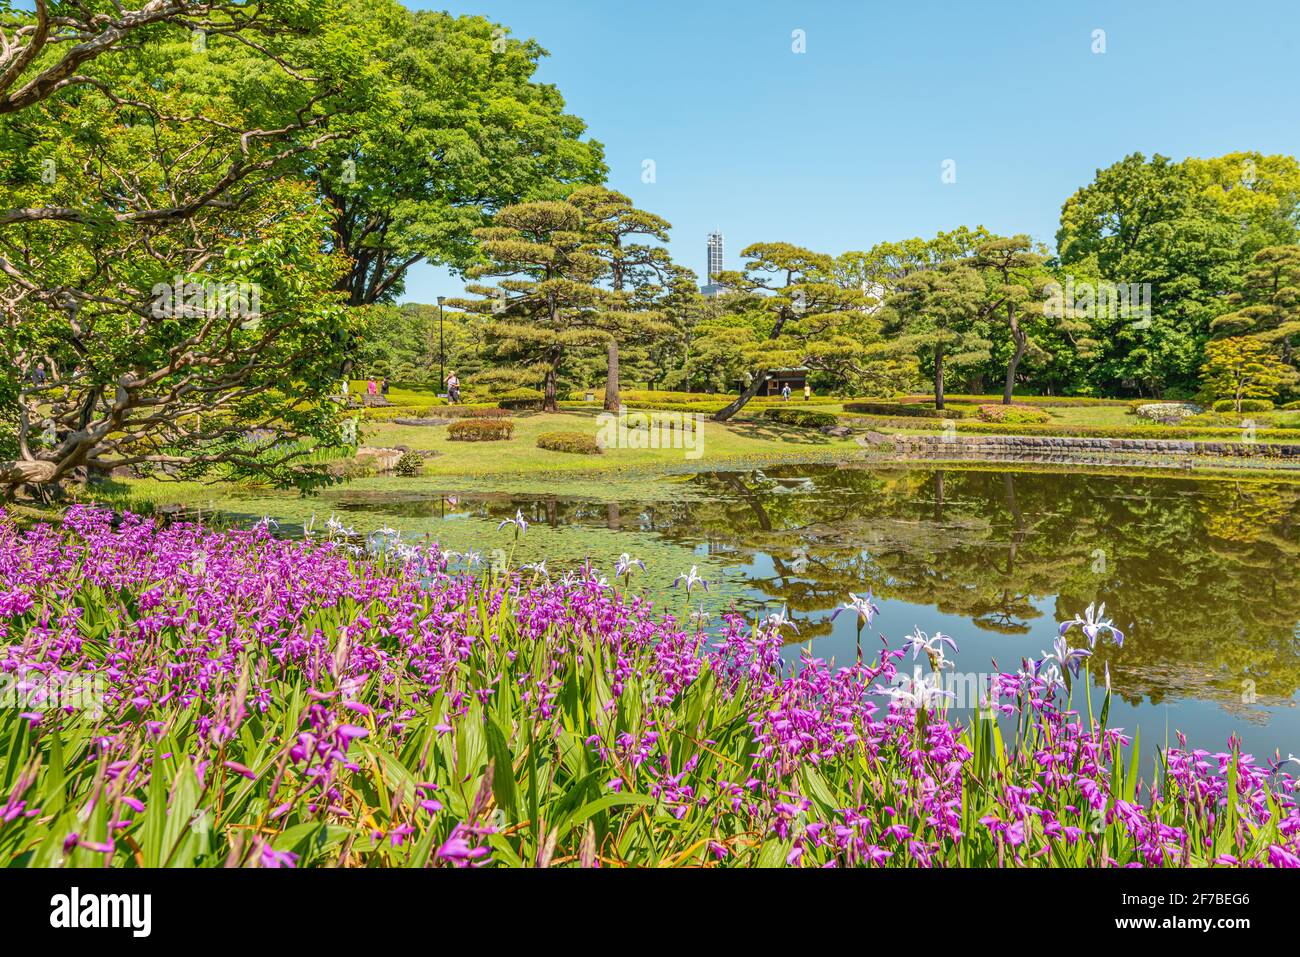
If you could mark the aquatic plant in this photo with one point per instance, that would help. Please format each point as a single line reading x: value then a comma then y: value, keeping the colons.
x: 186, y: 697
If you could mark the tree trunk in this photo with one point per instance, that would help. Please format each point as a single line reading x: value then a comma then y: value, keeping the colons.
x: 1022, y: 343
x: 549, y: 403
x: 612, y: 400
x: 938, y: 379
x: 744, y: 398
x: 26, y: 472
x: 759, y: 379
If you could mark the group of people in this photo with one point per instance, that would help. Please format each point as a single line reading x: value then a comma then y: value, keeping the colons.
x: 453, y: 387
x: 381, y: 387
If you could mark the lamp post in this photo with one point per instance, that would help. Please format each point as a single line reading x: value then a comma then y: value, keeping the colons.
x: 442, y: 348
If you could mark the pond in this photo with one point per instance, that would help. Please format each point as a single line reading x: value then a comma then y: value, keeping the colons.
x: 1200, y: 573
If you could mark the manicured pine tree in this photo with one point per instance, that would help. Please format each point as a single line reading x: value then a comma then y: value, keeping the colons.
x: 1014, y: 278
x: 936, y: 315
x: 544, y: 306
x: 1240, y: 368
x: 637, y: 273
x: 803, y: 315
x: 1269, y: 306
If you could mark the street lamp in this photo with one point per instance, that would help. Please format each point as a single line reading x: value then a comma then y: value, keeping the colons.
x: 442, y: 348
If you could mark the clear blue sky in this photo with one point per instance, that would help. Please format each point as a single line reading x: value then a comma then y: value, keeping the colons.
x: 841, y: 147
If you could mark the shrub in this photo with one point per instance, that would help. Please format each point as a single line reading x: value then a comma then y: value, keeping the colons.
x: 473, y: 412
x: 1247, y: 405
x: 409, y: 465
x: 1167, y: 413
x: 384, y: 413
x: 578, y: 442
x: 702, y: 408
x: 480, y: 430
x: 1144, y: 431
x: 521, y: 399
x: 802, y: 418
x: 910, y: 409
x: 1013, y: 414
x: 1041, y: 401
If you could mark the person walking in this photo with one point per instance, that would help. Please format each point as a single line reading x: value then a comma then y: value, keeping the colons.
x: 807, y: 392
x: 453, y: 388
x: 383, y: 387
x: 785, y: 392
x: 371, y: 387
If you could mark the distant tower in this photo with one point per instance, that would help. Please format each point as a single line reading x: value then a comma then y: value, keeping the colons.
x: 715, y: 255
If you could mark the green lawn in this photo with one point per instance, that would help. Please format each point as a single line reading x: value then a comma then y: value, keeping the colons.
x: 750, y: 441
x: 721, y: 443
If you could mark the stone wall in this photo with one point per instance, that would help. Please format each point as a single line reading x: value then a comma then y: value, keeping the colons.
x: 958, y: 446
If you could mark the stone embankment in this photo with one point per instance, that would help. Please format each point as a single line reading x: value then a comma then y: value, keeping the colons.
x: 1042, y: 448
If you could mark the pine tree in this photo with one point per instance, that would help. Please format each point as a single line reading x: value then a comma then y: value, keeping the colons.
x: 1013, y: 274
x: 804, y: 318
x: 1269, y: 306
x: 936, y: 316
x: 641, y: 271
x: 545, y: 306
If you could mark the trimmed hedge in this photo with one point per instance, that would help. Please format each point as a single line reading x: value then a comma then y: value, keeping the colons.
x: 1037, y: 400
x: 474, y: 412
x: 576, y: 442
x: 521, y: 399
x: 1013, y: 414
x: 1075, y: 431
x: 911, y: 410
x: 802, y: 418
x: 1247, y: 405
x: 480, y: 430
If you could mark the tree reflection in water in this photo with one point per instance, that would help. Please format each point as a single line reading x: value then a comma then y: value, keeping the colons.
x: 1199, y: 572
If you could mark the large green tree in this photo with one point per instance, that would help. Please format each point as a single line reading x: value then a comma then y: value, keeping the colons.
x: 460, y: 129
x: 165, y: 293
x: 1184, y: 231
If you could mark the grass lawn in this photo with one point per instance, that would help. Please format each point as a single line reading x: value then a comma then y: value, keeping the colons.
x: 1092, y: 415
x: 617, y: 474
x: 753, y: 441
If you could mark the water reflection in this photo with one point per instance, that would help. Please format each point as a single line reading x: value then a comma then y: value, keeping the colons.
x: 1199, y: 572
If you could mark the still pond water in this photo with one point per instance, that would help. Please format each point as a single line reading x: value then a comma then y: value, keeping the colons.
x: 1199, y: 573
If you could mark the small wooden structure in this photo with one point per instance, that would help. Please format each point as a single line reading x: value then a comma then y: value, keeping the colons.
x: 777, y: 379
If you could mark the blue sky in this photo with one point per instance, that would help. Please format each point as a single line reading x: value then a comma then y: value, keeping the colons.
x: 841, y: 147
